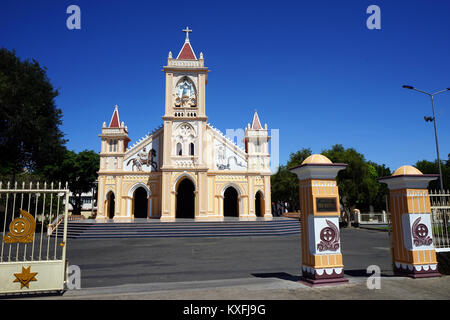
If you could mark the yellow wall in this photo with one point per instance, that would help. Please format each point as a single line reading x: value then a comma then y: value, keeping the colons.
x: 163, y: 185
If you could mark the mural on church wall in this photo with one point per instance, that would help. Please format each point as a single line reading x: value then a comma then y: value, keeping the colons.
x: 227, y: 159
x: 145, y: 160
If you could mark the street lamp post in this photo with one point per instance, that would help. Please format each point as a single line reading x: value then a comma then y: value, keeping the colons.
x: 431, y: 95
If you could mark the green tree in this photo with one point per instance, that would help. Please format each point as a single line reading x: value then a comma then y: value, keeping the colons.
x: 30, y: 137
x: 428, y: 167
x: 284, y: 184
x: 296, y: 159
x: 358, y: 185
x: 80, y: 171
x: 380, y: 201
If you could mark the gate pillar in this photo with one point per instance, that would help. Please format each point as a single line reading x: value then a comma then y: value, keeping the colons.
x: 320, y: 210
x: 414, y: 253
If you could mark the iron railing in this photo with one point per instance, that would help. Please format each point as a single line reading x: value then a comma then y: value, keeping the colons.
x: 440, y: 218
x: 43, y: 203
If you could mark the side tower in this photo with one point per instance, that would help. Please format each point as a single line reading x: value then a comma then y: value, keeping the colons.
x: 257, y: 148
x: 113, y: 146
x: 184, y: 148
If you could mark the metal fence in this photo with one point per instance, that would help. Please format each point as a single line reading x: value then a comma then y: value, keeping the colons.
x: 440, y: 219
x: 30, y: 259
x: 371, y: 218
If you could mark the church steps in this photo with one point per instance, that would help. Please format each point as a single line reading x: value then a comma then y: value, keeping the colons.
x: 184, y: 229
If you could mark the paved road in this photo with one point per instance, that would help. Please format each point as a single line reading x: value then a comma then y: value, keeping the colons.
x: 391, y: 288
x: 133, y: 261
x: 244, y: 268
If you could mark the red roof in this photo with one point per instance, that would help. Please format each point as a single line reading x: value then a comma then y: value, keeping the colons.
x: 186, y: 52
x: 115, y: 119
x: 256, y: 124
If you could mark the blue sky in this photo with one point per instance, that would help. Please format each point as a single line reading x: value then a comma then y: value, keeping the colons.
x: 312, y: 69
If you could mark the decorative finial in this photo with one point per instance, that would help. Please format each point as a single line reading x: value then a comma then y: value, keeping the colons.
x: 187, y: 30
x: 201, y: 55
x: 170, y: 54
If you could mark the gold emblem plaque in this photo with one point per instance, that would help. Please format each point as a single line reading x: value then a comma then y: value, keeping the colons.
x: 21, y: 229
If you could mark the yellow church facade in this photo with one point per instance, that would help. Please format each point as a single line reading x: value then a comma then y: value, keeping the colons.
x: 186, y: 168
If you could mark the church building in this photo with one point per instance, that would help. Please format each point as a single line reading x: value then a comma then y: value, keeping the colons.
x: 186, y: 168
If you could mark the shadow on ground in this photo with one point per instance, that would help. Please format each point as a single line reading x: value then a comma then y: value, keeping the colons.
x: 289, y: 277
x: 443, y: 259
x: 32, y: 295
x: 279, y: 275
x: 363, y: 273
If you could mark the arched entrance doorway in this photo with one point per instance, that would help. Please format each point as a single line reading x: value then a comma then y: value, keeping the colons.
x: 259, y: 204
x: 110, y: 204
x: 140, y: 203
x: 230, y: 203
x: 185, y: 199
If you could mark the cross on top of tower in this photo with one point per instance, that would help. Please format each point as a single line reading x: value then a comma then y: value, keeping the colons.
x: 187, y: 53
x: 187, y: 30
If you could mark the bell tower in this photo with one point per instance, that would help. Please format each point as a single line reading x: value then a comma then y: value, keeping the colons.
x: 184, y: 147
x: 184, y: 116
x: 257, y: 146
x: 114, y: 143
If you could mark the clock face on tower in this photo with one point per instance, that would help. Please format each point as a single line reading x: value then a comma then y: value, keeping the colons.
x: 185, y: 94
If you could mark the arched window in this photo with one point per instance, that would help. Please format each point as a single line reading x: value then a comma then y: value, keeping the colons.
x: 191, y: 149
x: 179, y: 149
x: 113, y: 145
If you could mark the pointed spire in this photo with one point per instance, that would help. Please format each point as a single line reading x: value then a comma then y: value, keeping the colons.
x: 256, y: 124
x: 186, y: 52
x: 115, y: 119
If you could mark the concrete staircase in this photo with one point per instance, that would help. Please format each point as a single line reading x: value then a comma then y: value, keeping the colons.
x: 190, y: 228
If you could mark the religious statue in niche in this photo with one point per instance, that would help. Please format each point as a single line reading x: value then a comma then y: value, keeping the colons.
x: 143, y: 158
x: 185, y: 94
x: 224, y: 162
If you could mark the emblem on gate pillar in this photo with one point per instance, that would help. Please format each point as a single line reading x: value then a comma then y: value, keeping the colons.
x: 21, y: 229
x: 329, y: 237
x: 25, y: 277
x: 420, y: 234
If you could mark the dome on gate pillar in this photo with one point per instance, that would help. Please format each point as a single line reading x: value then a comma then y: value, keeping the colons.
x: 407, y: 170
x: 317, y: 158
x: 317, y: 166
x: 408, y: 177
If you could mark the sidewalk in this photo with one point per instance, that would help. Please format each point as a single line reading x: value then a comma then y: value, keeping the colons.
x: 275, y: 288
